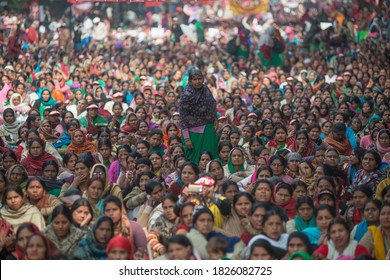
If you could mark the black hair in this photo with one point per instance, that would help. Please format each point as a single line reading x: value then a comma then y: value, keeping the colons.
x: 304, y: 199
x: 67, y: 157
x: 49, y: 163
x: 78, y: 203
x: 112, y: 199
x: 151, y: 184
x: 226, y: 184
x: 61, y: 210
x: 241, y: 194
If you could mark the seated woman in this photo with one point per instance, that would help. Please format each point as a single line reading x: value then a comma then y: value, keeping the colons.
x: 298, y: 242
x: 9, y: 129
x: 82, y: 214
x: 202, y: 232
x: 302, y: 144
x: 283, y: 197
x: 152, y: 208
x: 237, y: 167
x: 376, y: 238
x: 50, y: 171
x: 338, y: 140
x: 100, y: 170
x: 239, y: 217
x: 179, y: 247
x: 370, y: 174
x: 119, y: 166
x: 120, y: 248
x: 47, y: 249
x: 383, y: 144
x: 188, y: 174
x: 304, y: 218
x: 9, y: 158
x: 272, y: 232
x: 370, y: 217
x: 185, y: 217
x: 354, y: 213
x: 339, y: 243
x: 95, y: 187
x: 18, y: 175
x: 94, y: 245
x: 280, y: 139
x: 37, y: 195
x: 16, y: 211
x: 62, y: 143
x: 80, y: 144
x: 162, y: 230
x: 278, y: 165
x: 47, y: 133
x: 80, y: 180
x: 64, y: 235
x: 318, y: 235
x: 215, y: 167
x: 255, y: 225
x: 124, y: 227
x: 36, y: 157
x: 261, y: 249
x: 68, y: 170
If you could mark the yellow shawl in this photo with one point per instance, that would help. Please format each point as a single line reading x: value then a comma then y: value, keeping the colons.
x: 379, y: 245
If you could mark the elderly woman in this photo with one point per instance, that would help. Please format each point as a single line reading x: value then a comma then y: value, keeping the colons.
x: 198, y: 112
x: 237, y: 167
x: 18, y: 175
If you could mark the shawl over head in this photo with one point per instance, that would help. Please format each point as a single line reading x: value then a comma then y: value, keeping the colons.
x: 381, y: 149
x: 13, y: 127
x: 343, y: 147
x: 20, y: 251
x: 309, y: 149
x: 49, y: 102
x: 122, y: 243
x: 26, y: 213
x: 84, y: 147
x: 48, y: 135
x: 196, y: 107
x: 243, y: 167
x: 23, y: 170
x: 35, y: 163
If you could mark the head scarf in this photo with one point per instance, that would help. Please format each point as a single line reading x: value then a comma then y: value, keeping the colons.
x: 129, y: 128
x: 381, y: 149
x: 243, y: 167
x: 84, y: 147
x: 12, y: 127
x: 13, y: 96
x: 49, y: 102
x: 196, y: 107
x: 106, y: 181
x: 25, y: 175
x: 20, y: 251
x: 47, y: 135
x: 83, y: 93
x: 182, y: 225
x: 122, y: 243
x: 49, y: 245
x: 165, y: 136
x: 34, y: 164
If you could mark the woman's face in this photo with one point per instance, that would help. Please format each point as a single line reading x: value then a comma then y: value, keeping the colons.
x: 305, y: 211
x: 246, y: 133
x: 299, y: 192
x: 257, y: 218
x: 81, y: 170
x: 268, y: 130
x: 142, y: 149
x: 177, y: 251
x: 172, y: 131
x: 280, y: 135
x: 103, y: 232
x: 143, y: 129
x: 371, y: 213
x: 266, y: 114
x: 237, y: 158
x: 187, y: 215
x: 140, y: 115
x: 384, y: 217
x: 277, y: 167
x: 323, y: 219
x: 296, y: 245
x: 273, y: 227
x: 36, y: 248
x: 80, y: 214
x: 50, y: 172
x: 35, y: 190
x: 339, y: 235
x: 369, y: 164
x: 230, y: 192
x: 188, y: 175
x: 168, y: 208
x: 71, y: 163
x: 61, y: 226
x: 79, y: 95
x: 78, y: 137
x: 114, y: 212
x: 217, y: 170
x: 305, y: 170
x: 204, y: 224
x: 204, y: 160
x: 23, y: 237
x: 327, y: 128
x: 9, y: 118
x: 14, y: 200
x: 259, y: 253
x: 177, y: 151
x: 95, y: 190
x: 243, y: 206
x: 263, y: 193
x: 264, y: 174
x: 282, y: 196
x: 118, y: 254
x: 156, y: 161
x: 234, y: 139
x: 384, y: 140
x: 332, y: 158
x: 8, y: 162
x: 118, y: 111
x: 45, y: 95
x: 224, y: 153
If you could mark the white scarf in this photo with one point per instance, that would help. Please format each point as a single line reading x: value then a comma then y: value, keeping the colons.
x: 333, y: 254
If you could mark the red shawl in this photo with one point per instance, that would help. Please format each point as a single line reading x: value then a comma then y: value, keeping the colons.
x: 343, y: 147
x: 78, y: 149
x: 274, y: 143
x: 92, y: 129
x: 309, y: 149
x: 34, y: 165
x: 289, y: 207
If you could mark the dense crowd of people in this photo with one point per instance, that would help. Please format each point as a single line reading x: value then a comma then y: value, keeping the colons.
x: 255, y: 145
